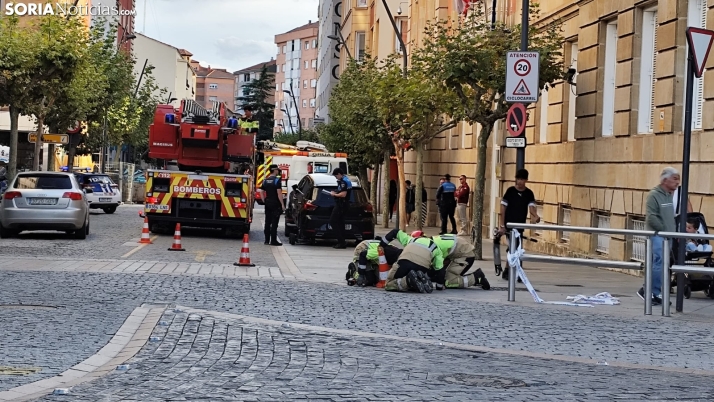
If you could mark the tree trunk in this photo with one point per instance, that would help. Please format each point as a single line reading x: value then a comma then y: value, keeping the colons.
x: 71, y: 152
x: 38, y: 144
x: 364, y: 178
x: 373, y: 187
x: 418, y: 184
x: 12, y: 165
x: 401, y: 200
x: 51, y: 157
x: 385, y: 186
x: 479, y: 191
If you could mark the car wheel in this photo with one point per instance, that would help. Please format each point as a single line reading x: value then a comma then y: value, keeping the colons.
x: 6, y: 233
x: 110, y: 210
x: 293, y: 239
x: 81, y: 233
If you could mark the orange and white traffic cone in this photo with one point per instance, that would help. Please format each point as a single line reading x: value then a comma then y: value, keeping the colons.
x: 383, y: 268
x: 145, y: 238
x: 176, y: 246
x: 244, y: 260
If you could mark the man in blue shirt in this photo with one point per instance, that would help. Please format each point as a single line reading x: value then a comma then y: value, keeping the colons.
x: 446, y: 199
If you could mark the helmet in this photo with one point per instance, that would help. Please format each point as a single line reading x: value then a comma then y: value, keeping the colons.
x: 417, y: 233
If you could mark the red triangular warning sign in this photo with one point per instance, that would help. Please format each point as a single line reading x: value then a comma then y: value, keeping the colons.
x: 700, y: 41
x: 521, y: 89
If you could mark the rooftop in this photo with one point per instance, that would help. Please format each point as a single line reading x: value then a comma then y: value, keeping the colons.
x: 258, y: 67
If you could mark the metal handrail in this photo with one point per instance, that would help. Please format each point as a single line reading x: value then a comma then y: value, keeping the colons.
x: 590, y: 262
x: 582, y: 229
x: 678, y: 235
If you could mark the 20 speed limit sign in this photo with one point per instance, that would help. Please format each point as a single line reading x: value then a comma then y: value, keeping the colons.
x: 522, y: 76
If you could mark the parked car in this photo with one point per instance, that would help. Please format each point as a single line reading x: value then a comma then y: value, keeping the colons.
x: 307, y: 217
x: 45, y: 201
x: 105, y: 193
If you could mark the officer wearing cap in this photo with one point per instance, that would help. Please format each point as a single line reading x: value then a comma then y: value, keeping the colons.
x: 272, y: 193
x: 248, y: 123
x: 342, y: 199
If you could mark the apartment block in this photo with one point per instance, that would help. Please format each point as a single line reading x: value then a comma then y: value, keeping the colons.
x: 213, y: 85
x: 246, y: 76
x: 296, y: 78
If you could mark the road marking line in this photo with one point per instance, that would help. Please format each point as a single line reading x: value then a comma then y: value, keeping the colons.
x: 139, y: 247
x: 201, y: 255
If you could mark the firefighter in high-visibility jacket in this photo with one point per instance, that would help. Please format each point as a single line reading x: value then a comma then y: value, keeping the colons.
x: 420, y: 263
x: 459, y: 256
x: 364, y: 268
x: 248, y: 123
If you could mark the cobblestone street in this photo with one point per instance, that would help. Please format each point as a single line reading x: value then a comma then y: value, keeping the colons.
x: 263, y: 334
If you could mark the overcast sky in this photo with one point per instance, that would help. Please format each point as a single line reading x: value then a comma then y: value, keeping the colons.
x: 230, y: 34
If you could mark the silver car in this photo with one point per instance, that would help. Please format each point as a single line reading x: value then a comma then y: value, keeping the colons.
x: 44, y: 201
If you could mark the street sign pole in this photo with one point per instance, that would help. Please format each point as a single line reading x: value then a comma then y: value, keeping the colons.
x: 521, y: 152
x: 684, y: 193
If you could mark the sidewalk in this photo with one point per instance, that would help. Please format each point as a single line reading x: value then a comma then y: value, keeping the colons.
x: 553, y: 282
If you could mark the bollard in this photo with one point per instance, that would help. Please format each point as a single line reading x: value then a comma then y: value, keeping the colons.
x: 648, y: 276
x: 512, y: 273
x: 666, y: 278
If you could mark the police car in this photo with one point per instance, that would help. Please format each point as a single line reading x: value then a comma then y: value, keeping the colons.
x: 105, y: 193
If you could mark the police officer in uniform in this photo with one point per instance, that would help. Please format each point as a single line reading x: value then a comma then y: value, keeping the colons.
x: 272, y: 193
x: 249, y: 124
x: 447, y: 204
x: 342, y: 199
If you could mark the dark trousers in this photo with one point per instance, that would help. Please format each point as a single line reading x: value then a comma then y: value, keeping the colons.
x: 272, y: 217
x: 337, y: 221
x: 391, y: 254
x: 447, y: 212
x: 405, y: 266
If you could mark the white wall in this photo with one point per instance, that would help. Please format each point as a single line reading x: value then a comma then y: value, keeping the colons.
x: 165, y: 59
x: 326, y: 60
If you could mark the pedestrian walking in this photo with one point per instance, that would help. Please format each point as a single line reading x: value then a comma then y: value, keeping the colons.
x: 447, y: 204
x: 392, y: 197
x: 659, y: 217
x: 272, y: 192
x: 462, y: 201
x: 410, y: 200
x: 342, y: 199
x: 515, y: 205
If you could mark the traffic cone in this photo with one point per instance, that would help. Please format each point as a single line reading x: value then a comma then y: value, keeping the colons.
x: 145, y: 238
x: 383, y: 268
x: 244, y: 260
x: 177, y: 239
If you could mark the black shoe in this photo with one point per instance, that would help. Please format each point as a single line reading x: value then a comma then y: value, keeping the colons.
x: 481, y: 279
x: 340, y: 246
x: 267, y: 242
x: 276, y: 243
x: 414, y: 283
x: 426, y: 281
x: 641, y: 293
x: 454, y: 232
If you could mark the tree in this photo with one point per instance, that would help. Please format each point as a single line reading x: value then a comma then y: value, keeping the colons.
x: 292, y: 139
x: 355, y: 128
x: 411, y: 108
x: 469, y: 59
x: 16, y: 66
x: 60, y: 47
x: 256, y: 94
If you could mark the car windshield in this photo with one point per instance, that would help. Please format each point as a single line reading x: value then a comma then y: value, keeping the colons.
x: 321, y: 199
x: 43, y: 182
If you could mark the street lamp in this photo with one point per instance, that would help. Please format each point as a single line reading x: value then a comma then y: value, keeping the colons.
x: 297, y: 109
x: 396, y: 32
x: 290, y: 119
x: 341, y: 41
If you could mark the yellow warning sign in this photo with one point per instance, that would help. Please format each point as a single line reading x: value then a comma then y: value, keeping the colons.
x: 49, y: 138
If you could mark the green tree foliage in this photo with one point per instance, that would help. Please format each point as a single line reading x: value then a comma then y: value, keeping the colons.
x: 292, y: 139
x: 17, y: 66
x: 469, y: 59
x: 256, y: 94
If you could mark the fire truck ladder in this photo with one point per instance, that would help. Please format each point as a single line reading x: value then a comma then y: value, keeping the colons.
x: 194, y: 113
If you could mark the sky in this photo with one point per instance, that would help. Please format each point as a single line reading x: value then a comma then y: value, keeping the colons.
x: 230, y: 34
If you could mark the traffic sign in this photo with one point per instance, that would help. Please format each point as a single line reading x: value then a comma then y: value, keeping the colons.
x: 49, y: 138
x: 522, y: 77
x: 516, y: 119
x: 515, y: 142
x: 700, y: 42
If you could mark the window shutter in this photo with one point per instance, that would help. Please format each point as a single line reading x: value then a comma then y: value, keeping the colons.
x: 654, y: 72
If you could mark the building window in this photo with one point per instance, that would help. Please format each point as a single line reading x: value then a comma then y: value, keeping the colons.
x: 200, y: 85
x: 361, y: 3
x: 564, y: 220
x: 312, y: 102
x: 307, y: 65
x: 213, y: 98
x: 402, y: 24
x: 608, y: 113
x: 602, y: 221
x: 307, y: 44
x: 212, y: 86
x: 696, y: 17
x: 648, y: 65
x: 304, y: 103
x: 246, y: 77
x: 278, y: 49
x: 314, y: 64
x: 360, y: 43
x: 314, y: 43
x: 638, y: 244
x: 543, y: 129
x: 200, y: 98
x: 283, y: 66
x: 313, y: 83
x: 572, y: 93
x: 285, y: 49
x: 304, y: 84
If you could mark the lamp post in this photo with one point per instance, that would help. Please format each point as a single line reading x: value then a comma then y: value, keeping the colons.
x: 341, y: 41
x: 399, y: 35
x: 521, y: 152
x: 297, y: 109
x: 290, y: 120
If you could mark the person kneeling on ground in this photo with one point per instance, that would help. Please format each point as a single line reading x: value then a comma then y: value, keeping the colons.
x: 421, y: 262
x: 460, y: 256
x: 364, y: 268
x: 399, y: 235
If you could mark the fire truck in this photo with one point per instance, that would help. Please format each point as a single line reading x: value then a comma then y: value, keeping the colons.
x: 295, y: 161
x: 205, y: 181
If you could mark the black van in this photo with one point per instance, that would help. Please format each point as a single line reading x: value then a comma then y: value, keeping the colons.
x: 307, y: 217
